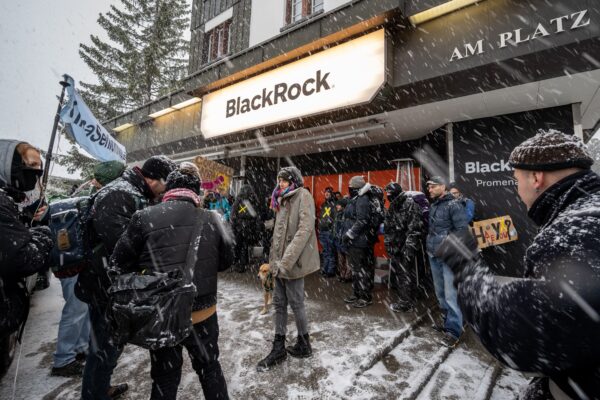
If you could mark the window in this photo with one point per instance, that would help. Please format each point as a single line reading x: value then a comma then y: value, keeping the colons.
x: 216, y: 42
x: 212, y: 8
x: 297, y: 10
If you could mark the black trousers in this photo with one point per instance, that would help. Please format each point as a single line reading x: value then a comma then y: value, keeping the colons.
x: 361, y: 261
x: 203, y: 349
x: 403, y: 279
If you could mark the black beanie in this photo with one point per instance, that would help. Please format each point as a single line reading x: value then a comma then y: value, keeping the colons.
x: 158, y: 167
x: 292, y: 175
x: 551, y: 151
x: 184, y: 177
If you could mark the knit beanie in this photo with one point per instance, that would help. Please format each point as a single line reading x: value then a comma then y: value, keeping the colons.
x: 550, y: 151
x: 357, y: 182
x: 107, y: 171
x: 158, y: 167
x: 185, y: 177
x: 292, y: 175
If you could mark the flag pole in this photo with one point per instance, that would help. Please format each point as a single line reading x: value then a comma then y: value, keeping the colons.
x: 64, y: 85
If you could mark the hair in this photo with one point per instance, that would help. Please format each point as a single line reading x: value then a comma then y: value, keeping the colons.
x: 24, y: 147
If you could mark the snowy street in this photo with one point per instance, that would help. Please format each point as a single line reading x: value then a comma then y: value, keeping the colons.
x: 358, y: 354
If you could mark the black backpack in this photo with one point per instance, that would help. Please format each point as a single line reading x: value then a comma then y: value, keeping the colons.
x: 376, y: 211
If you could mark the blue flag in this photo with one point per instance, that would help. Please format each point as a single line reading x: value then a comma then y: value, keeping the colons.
x: 85, y: 129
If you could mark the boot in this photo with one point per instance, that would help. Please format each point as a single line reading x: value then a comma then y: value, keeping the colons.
x: 302, y: 347
x: 276, y: 356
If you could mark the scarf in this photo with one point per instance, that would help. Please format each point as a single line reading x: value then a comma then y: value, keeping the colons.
x: 277, y: 193
x: 179, y: 193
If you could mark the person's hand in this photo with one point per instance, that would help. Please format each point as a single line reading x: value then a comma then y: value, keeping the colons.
x: 274, y: 268
x: 43, y: 236
x: 40, y: 213
x: 458, y: 250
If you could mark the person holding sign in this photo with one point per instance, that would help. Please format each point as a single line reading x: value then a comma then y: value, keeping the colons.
x: 549, y: 322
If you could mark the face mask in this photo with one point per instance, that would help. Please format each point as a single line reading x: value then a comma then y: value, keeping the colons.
x: 353, y: 192
x: 32, y: 196
x: 25, y: 178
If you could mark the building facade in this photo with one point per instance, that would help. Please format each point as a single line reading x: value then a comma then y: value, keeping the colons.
x: 394, y: 89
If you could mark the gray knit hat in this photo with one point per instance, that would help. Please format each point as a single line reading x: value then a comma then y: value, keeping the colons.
x: 357, y: 182
x: 550, y: 151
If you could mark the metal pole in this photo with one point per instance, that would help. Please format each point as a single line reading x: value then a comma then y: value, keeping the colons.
x: 64, y: 85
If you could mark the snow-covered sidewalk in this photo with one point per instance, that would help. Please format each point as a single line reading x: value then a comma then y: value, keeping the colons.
x: 358, y: 354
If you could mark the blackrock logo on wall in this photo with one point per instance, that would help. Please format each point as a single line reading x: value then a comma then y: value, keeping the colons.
x: 323, y: 82
x: 483, y: 169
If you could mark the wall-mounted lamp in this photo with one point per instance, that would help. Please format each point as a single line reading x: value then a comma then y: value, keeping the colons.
x: 440, y: 10
x: 122, y: 127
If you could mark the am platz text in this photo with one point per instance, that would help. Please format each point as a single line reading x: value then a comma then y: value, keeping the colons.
x: 516, y: 37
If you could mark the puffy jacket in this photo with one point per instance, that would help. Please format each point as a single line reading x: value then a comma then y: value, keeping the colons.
x: 547, y: 323
x: 294, y: 250
x: 404, y: 228
x: 339, y: 231
x: 357, y: 218
x: 158, y: 238
x: 112, y: 209
x: 446, y: 215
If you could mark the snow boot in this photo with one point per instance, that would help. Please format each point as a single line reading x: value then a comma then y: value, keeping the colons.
x: 302, y: 347
x: 276, y: 356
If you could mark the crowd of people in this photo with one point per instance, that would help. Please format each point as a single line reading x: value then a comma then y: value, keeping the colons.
x: 154, y: 224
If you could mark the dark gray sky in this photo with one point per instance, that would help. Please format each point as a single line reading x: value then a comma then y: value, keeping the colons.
x: 39, y: 40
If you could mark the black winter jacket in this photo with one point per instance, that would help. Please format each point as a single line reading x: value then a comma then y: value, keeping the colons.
x: 158, y: 239
x: 327, y: 216
x: 356, y: 219
x: 112, y: 209
x: 549, y: 321
x: 404, y: 228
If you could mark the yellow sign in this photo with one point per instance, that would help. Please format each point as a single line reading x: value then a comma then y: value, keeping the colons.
x: 494, y: 231
x: 215, y: 176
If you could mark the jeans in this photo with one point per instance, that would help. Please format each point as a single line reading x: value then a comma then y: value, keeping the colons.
x: 326, y: 239
x: 203, y: 348
x: 443, y: 283
x: 102, y: 357
x: 74, y: 326
x: 361, y: 262
x: 289, y: 291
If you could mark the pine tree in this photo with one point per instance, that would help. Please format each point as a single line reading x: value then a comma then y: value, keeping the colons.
x: 146, y: 55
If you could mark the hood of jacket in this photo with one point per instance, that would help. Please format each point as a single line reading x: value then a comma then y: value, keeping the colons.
x: 7, y: 149
x: 365, y: 189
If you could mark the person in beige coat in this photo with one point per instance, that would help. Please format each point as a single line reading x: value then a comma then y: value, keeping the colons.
x: 294, y: 255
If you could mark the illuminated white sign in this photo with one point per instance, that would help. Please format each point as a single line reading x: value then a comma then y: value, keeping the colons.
x: 345, y: 75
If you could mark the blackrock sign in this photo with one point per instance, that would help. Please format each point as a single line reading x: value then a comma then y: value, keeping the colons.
x: 346, y: 75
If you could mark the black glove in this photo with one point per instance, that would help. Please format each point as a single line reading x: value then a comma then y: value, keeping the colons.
x: 43, y: 236
x: 458, y: 250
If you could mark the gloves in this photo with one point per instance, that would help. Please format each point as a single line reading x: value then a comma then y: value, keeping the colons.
x: 43, y: 236
x: 458, y: 250
x: 274, y: 268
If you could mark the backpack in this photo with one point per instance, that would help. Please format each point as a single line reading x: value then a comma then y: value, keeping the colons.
x: 376, y: 211
x: 421, y: 200
x: 69, y: 219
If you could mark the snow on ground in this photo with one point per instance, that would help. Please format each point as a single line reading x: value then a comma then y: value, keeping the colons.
x: 358, y: 354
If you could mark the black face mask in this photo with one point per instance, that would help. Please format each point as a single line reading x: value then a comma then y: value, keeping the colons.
x: 392, y: 196
x: 353, y: 192
x: 23, y: 178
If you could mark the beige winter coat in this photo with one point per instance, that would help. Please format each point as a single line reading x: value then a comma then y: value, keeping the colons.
x: 294, y: 252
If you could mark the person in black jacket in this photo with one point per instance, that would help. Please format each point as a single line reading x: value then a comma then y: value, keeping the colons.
x: 158, y: 239
x: 358, y: 240
x: 326, y: 219
x: 246, y: 224
x: 547, y: 323
x: 23, y: 251
x: 113, y: 206
x: 404, y: 233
